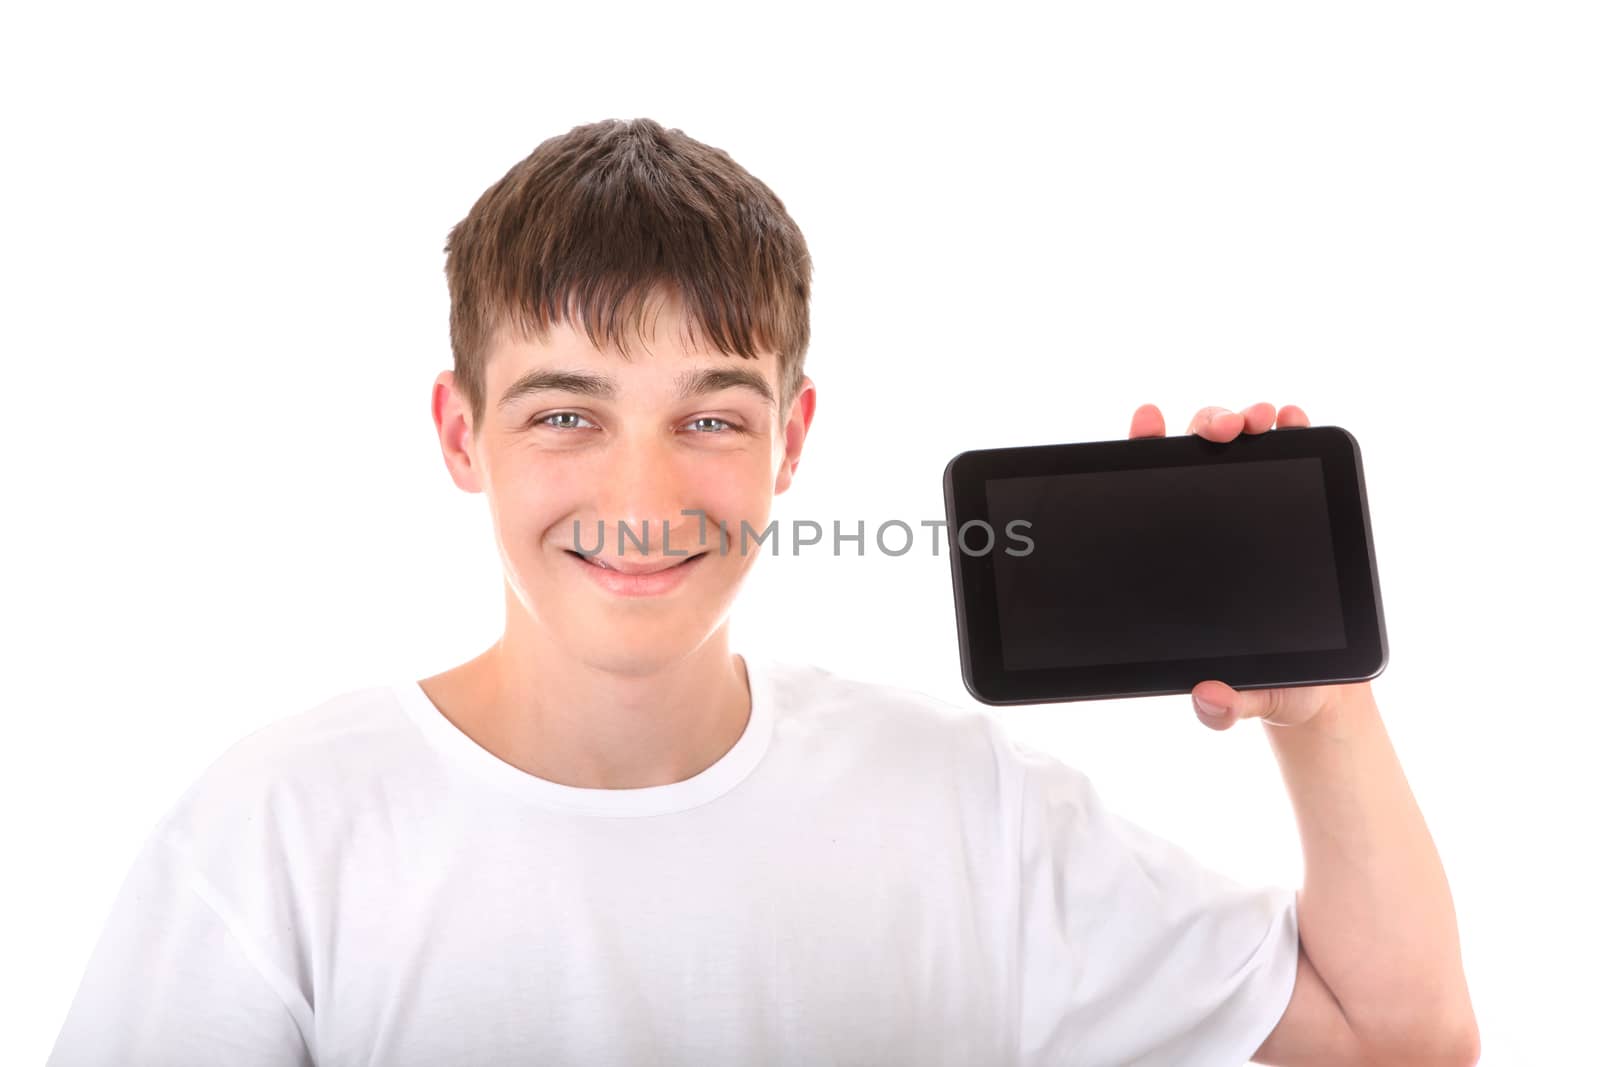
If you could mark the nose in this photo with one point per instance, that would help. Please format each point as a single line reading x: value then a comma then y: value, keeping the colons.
x: 642, y: 490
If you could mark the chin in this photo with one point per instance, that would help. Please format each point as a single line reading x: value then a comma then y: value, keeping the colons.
x: 637, y: 654
x: 634, y: 638
x: 629, y: 636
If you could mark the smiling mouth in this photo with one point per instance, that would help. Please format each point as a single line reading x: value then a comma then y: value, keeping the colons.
x: 651, y: 566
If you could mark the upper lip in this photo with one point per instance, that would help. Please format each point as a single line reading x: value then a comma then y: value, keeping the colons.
x: 640, y: 565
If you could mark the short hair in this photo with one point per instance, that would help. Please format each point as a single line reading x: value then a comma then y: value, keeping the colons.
x: 599, y: 221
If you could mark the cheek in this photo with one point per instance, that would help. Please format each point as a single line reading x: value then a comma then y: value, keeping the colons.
x: 533, y: 497
x: 741, y: 497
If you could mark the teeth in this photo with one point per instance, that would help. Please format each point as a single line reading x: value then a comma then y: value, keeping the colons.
x: 603, y: 565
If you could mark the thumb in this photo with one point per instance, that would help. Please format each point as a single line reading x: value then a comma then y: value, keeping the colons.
x: 1220, y: 705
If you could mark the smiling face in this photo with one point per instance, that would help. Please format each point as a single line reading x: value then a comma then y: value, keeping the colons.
x: 577, y: 442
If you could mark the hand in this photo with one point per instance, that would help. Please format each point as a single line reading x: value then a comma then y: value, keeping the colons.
x: 1292, y: 706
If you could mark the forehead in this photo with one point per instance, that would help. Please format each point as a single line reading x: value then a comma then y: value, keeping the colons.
x: 662, y: 344
x: 565, y: 360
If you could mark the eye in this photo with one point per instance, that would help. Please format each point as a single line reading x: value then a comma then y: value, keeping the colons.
x: 712, y: 424
x: 560, y: 420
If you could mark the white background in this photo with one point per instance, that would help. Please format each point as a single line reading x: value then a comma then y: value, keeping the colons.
x: 224, y: 306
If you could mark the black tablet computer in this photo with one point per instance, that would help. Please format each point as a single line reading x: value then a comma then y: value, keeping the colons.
x: 1144, y: 567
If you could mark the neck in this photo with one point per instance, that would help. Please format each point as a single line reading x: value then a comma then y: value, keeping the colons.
x: 597, y: 726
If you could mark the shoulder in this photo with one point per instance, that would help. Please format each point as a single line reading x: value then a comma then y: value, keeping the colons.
x: 295, y: 771
x: 819, y: 692
x: 879, y: 717
x: 261, y: 837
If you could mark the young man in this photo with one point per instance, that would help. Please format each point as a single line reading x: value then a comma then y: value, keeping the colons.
x: 610, y: 839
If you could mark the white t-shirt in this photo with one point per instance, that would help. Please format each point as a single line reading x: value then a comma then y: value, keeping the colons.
x: 868, y: 876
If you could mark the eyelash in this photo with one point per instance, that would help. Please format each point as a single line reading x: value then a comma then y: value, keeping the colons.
x: 732, y: 427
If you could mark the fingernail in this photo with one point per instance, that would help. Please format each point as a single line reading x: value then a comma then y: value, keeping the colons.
x: 1208, y: 708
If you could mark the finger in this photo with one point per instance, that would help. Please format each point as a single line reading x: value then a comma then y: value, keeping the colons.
x: 1217, y: 424
x: 1291, y: 415
x: 1213, y: 703
x: 1233, y: 704
x: 1258, y: 417
x: 1147, y: 422
x: 1216, y: 703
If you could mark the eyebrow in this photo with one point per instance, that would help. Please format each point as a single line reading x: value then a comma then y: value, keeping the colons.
x: 688, y: 384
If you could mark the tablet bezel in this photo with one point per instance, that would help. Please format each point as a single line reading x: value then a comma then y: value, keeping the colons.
x: 977, y: 613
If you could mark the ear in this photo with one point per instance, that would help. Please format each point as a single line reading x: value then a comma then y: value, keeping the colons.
x: 453, y: 419
x: 801, y: 409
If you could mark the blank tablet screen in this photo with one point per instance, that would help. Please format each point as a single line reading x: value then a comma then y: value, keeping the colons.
x: 1167, y: 563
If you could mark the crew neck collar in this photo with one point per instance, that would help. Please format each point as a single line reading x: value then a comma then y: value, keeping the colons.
x: 728, y: 771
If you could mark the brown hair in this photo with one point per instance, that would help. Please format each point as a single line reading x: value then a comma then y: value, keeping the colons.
x: 611, y: 215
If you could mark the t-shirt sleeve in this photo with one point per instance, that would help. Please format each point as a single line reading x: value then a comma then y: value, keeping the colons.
x: 173, y: 982
x: 1133, y: 952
